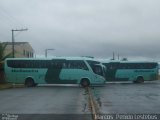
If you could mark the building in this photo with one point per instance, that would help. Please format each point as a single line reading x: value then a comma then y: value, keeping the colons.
x: 22, y: 49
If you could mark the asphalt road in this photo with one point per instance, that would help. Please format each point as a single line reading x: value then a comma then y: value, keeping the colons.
x: 57, y: 102
x: 123, y: 98
x: 71, y: 102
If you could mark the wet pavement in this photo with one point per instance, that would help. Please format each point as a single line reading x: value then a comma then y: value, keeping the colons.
x: 51, y: 101
x: 123, y: 98
x: 71, y: 102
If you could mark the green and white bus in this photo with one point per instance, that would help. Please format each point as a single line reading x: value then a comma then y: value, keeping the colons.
x: 135, y: 71
x: 31, y: 71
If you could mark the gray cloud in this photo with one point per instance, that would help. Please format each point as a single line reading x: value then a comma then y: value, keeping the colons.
x: 87, y: 27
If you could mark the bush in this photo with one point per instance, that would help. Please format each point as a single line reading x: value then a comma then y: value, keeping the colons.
x: 2, y: 78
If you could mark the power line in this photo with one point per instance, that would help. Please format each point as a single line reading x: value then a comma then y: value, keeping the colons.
x: 10, y: 18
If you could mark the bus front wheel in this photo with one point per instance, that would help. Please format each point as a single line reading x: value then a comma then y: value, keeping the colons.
x: 29, y: 82
x: 85, y: 83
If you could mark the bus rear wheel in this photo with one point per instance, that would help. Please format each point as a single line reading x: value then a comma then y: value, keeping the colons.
x: 139, y: 80
x: 85, y: 83
x: 29, y: 82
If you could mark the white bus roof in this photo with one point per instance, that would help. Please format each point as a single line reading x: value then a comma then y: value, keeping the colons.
x: 66, y: 58
x: 116, y: 61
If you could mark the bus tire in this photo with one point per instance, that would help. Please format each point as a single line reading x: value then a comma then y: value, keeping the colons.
x: 29, y: 82
x: 85, y: 83
x: 140, y: 79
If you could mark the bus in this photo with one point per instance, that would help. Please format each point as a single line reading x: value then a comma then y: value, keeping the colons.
x: 71, y: 70
x: 135, y: 71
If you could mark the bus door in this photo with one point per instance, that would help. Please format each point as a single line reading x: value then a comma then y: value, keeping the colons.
x: 111, y: 71
x: 53, y: 73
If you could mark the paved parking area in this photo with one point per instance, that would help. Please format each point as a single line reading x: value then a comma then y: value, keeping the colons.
x: 46, y: 102
x: 128, y: 98
x: 71, y: 102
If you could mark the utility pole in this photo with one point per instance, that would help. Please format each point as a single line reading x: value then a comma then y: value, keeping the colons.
x: 13, y: 52
x: 113, y: 56
x: 46, y: 50
x: 118, y: 56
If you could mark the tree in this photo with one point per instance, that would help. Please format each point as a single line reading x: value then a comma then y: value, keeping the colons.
x: 2, y: 52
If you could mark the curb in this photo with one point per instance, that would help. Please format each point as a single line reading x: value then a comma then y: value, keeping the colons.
x: 93, y: 105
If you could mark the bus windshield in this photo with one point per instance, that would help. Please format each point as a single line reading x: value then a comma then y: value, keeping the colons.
x: 96, y: 67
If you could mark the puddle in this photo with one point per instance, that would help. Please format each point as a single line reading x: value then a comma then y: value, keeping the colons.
x: 97, y: 97
x: 86, y: 106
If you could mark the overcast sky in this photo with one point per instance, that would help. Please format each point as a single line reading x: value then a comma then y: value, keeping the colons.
x: 85, y: 27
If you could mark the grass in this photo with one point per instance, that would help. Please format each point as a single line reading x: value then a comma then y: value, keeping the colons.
x: 10, y: 85
x: 5, y: 86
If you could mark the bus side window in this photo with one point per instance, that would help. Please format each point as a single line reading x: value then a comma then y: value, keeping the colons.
x: 82, y: 65
x: 76, y: 64
x: 48, y: 64
x: 20, y: 64
x: 10, y: 63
